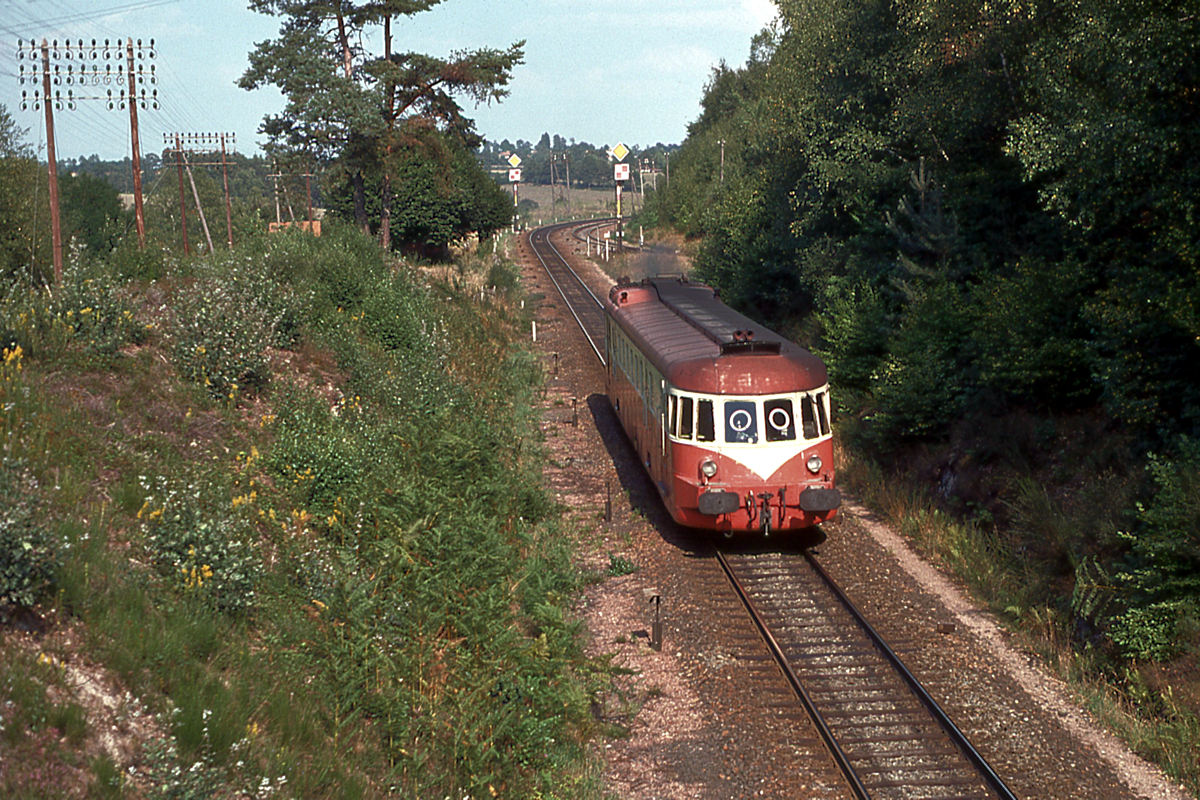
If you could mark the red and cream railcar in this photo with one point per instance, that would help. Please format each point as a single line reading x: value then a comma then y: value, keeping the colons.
x: 731, y: 420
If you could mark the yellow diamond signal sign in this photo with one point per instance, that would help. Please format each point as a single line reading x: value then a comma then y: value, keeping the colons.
x: 514, y: 161
x: 620, y: 151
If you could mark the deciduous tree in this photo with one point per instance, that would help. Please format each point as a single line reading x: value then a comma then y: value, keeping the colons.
x: 367, y: 111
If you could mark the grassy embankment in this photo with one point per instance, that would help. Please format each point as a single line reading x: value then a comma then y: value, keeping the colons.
x: 1063, y: 480
x: 282, y: 508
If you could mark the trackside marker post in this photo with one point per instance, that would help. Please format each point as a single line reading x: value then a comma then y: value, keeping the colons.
x: 655, y: 599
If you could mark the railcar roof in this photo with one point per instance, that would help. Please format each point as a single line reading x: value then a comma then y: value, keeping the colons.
x: 701, y: 344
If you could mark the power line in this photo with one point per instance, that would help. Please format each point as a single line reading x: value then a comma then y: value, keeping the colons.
x: 90, y: 15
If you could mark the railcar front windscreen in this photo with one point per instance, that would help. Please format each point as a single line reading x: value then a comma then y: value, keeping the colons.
x: 746, y: 420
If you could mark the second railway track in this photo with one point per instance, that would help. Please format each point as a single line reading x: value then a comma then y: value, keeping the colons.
x: 585, y: 307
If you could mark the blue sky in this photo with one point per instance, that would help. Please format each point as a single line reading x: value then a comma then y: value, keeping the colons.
x: 630, y: 71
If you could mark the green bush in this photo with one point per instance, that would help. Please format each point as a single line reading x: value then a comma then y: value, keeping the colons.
x: 90, y: 312
x: 200, y: 545
x: 337, y: 268
x: 856, y: 326
x: 1161, y: 572
x: 319, y: 458
x: 928, y: 375
x: 219, y: 337
x: 29, y: 554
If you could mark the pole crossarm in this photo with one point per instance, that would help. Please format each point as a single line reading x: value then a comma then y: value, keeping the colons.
x: 199, y: 144
x: 81, y: 69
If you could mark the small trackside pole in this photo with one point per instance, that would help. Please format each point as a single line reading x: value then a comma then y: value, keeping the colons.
x: 656, y: 632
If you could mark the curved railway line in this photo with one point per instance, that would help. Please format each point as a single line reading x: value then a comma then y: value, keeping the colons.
x: 887, y: 735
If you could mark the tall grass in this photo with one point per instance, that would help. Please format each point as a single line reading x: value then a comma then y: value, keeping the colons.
x: 335, y: 578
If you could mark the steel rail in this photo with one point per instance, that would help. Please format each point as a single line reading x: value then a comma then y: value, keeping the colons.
x: 959, y: 738
x: 818, y: 720
x: 956, y: 737
x: 542, y: 235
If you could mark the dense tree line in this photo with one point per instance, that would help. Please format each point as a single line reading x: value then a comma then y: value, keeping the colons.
x: 975, y: 212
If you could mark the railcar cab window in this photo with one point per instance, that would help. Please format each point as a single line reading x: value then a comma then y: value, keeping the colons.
x: 690, y: 415
x: 705, y: 428
x: 741, y: 421
x: 780, y: 423
x: 814, y: 415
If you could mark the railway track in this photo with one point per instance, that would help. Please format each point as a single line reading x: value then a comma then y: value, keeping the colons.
x: 887, y: 735
x: 585, y: 307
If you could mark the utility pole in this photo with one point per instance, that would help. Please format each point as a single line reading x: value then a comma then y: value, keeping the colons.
x: 274, y: 176
x: 88, y: 65
x: 553, y: 187
x: 133, y: 77
x: 722, y: 143
x: 208, y: 145
x: 187, y: 251
x: 308, y: 176
x: 225, y: 181
x: 567, y: 164
x: 52, y: 165
x: 555, y: 174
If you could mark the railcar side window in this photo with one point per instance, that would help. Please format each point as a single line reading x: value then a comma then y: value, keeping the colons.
x: 685, y: 418
x: 822, y: 413
x: 706, y: 430
x: 673, y: 425
x: 808, y: 417
x: 780, y: 427
x: 741, y: 424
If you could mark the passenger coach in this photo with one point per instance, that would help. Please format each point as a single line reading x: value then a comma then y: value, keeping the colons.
x: 731, y: 420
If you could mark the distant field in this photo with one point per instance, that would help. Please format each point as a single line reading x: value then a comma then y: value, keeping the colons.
x: 584, y: 202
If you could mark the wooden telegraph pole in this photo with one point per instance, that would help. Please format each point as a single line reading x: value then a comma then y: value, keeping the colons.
x: 187, y: 251
x: 208, y: 145
x: 132, y: 81
x: 88, y: 65
x: 56, y: 230
x: 225, y: 180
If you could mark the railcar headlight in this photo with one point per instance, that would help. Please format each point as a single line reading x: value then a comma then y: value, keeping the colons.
x: 708, y: 467
x: 814, y: 463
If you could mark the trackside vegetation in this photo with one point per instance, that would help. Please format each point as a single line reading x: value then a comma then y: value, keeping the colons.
x: 280, y: 509
x: 984, y: 217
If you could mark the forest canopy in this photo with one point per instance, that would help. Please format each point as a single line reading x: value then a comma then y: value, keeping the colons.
x: 981, y: 214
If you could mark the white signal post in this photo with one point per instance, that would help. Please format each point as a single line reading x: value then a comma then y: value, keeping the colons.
x: 514, y: 177
x: 620, y: 175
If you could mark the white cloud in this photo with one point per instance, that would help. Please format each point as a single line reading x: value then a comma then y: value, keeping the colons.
x: 761, y: 12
